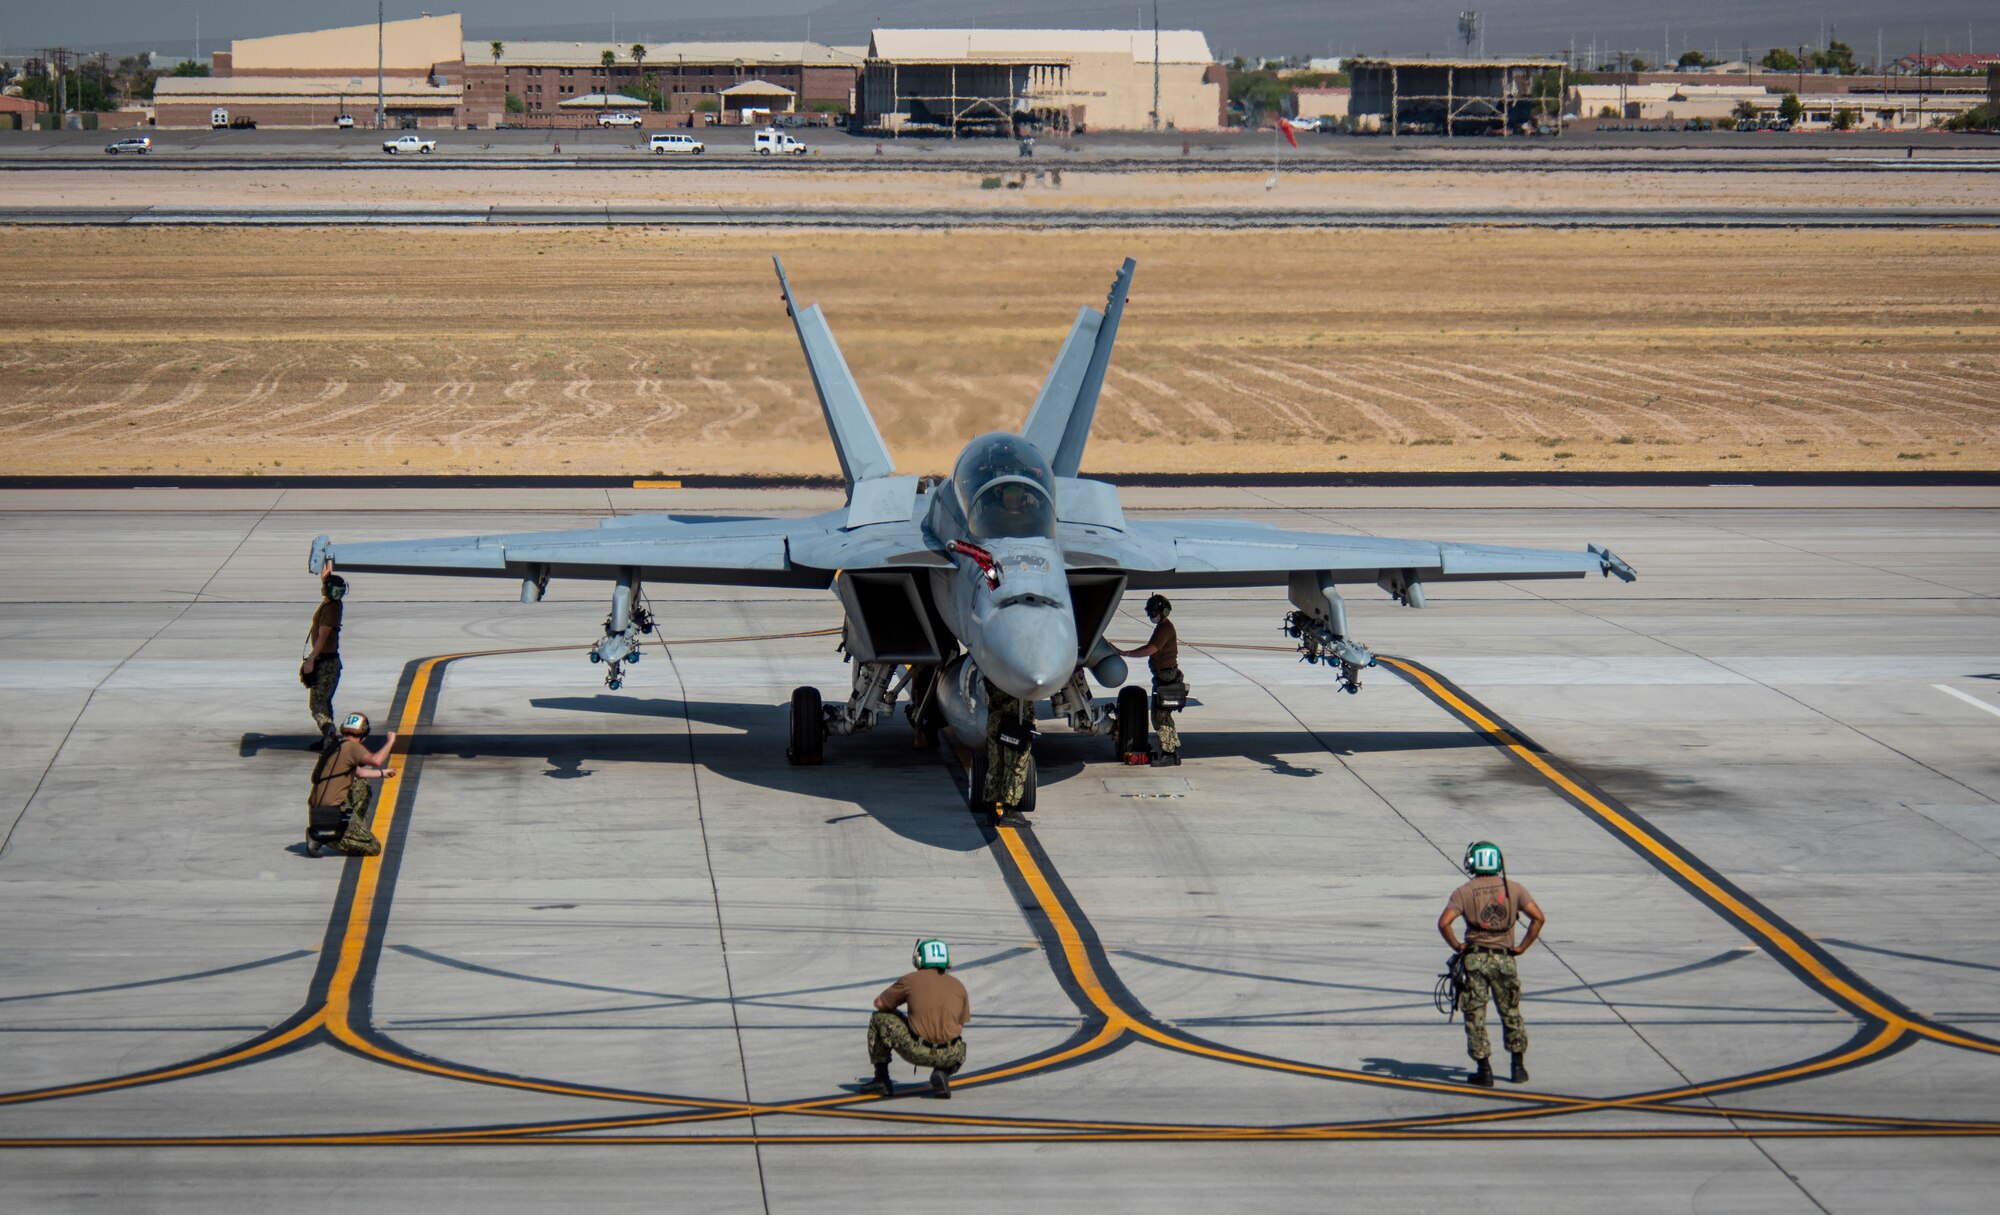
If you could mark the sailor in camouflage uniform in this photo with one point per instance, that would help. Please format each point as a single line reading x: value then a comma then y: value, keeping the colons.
x: 1491, y: 905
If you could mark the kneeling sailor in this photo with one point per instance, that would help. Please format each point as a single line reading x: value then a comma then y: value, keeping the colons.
x: 342, y: 801
x: 931, y: 1034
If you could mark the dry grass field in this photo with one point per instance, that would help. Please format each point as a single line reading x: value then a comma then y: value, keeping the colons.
x: 635, y: 351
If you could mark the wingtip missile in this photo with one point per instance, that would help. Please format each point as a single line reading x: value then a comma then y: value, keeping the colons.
x: 1609, y: 563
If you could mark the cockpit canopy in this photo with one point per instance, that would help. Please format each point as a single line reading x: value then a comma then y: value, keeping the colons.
x: 1004, y: 488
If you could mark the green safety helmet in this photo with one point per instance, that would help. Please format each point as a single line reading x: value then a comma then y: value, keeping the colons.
x: 931, y: 954
x: 1482, y: 858
x: 1158, y: 604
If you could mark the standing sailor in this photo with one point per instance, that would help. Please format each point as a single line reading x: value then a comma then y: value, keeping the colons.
x: 1163, y: 651
x: 1491, y: 904
x: 320, y: 669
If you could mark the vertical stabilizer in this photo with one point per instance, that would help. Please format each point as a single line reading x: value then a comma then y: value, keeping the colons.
x: 1059, y: 424
x: 856, y: 441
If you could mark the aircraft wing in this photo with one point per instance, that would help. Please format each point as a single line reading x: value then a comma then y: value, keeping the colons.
x: 1168, y: 554
x: 733, y: 552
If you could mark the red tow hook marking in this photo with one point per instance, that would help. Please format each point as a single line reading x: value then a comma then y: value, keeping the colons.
x: 981, y: 558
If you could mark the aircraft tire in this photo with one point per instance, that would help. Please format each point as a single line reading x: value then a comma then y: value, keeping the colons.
x: 808, y: 728
x: 1134, y: 722
x: 975, y: 785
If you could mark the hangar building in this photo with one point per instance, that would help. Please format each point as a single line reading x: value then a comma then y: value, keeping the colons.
x: 309, y: 79
x: 959, y: 80
x: 1454, y: 96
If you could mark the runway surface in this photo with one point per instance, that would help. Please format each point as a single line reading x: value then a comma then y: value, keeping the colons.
x: 785, y: 216
x: 615, y: 948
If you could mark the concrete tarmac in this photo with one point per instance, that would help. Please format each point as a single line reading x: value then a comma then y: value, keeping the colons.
x: 616, y: 949
x: 783, y: 216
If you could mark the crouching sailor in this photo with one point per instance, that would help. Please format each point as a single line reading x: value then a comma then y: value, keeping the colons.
x: 342, y: 801
x: 930, y: 1034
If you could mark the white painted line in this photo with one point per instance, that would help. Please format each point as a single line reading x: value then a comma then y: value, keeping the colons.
x: 1974, y: 701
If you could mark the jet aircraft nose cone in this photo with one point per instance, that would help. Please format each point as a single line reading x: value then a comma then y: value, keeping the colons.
x: 1029, y: 650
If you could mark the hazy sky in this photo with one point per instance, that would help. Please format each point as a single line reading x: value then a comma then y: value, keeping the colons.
x: 1249, y: 27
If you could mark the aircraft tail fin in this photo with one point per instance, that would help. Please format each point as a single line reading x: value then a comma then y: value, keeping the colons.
x: 863, y: 455
x: 1059, y: 424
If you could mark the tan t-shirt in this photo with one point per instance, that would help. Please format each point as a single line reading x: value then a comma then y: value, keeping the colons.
x: 1167, y: 655
x: 328, y: 615
x: 939, y: 1009
x: 334, y: 774
x: 1490, y: 920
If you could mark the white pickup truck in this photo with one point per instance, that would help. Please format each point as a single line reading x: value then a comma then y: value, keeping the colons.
x: 408, y: 143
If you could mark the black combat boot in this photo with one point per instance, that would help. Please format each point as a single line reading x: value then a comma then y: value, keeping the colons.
x: 1520, y: 1075
x: 940, y: 1085
x: 881, y: 1082
x: 1484, y: 1076
x: 1167, y: 759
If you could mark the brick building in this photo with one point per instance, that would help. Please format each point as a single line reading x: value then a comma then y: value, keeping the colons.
x: 689, y: 77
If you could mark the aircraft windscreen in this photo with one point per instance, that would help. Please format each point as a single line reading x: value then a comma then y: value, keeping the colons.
x: 1004, y: 488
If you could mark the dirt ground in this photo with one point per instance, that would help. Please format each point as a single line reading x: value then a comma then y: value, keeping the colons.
x: 641, y: 351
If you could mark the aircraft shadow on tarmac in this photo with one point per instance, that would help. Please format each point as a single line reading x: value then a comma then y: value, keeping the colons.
x: 911, y: 791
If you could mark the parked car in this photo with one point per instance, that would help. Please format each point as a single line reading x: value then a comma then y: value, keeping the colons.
x: 617, y: 120
x: 771, y: 139
x: 345, y: 122
x: 408, y: 143
x: 663, y: 142
x: 131, y: 143
x: 243, y: 124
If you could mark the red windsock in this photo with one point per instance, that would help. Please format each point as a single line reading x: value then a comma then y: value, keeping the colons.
x: 1286, y: 129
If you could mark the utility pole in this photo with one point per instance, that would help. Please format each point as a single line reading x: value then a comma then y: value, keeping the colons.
x: 1156, y: 65
x: 379, y: 108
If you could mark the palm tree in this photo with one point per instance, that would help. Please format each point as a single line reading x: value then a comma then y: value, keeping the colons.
x: 499, y: 48
x: 639, y: 61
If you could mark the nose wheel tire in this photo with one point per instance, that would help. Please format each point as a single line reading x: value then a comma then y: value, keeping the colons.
x: 1134, y: 722
x: 808, y: 733
x: 975, y: 787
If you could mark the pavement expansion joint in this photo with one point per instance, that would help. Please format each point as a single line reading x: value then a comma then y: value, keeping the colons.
x: 338, y: 1010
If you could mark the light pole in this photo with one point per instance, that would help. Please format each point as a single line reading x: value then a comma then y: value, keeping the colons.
x: 378, y: 65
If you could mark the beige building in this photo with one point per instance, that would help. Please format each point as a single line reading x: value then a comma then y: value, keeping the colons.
x: 690, y: 78
x: 955, y: 79
x: 409, y: 48
x: 310, y: 79
x: 1885, y: 111
x: 1328, y: 103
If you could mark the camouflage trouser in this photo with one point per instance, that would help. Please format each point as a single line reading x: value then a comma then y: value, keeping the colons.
x: 358, y: 840
x: 1491, y: 976
x: 325, y: 678
x: 1170, y: 734
x: 1006, y: 768
x: 890, y: 1031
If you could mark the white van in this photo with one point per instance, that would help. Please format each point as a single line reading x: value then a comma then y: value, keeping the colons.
x: 218, y: 118
x: 771, y: 139
x: 663, y: 142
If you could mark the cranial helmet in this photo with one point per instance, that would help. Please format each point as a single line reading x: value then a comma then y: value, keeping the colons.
x: 354, y: 723
x: 1158, y: 605
x: 335, y: 586
x: 931, y: 954
x: 1482, y: 857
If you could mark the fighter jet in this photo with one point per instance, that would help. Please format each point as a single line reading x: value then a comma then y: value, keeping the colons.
x: 1009, y: 570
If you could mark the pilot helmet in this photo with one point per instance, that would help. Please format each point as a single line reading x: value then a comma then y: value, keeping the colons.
x: 1158, y: 605
x: 1482, y: 858
x: 931, y: 954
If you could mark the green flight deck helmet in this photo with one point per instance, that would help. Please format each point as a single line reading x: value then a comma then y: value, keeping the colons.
x: 1158, y: 605
x: 1482, y: 858
x: 931, y: 954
